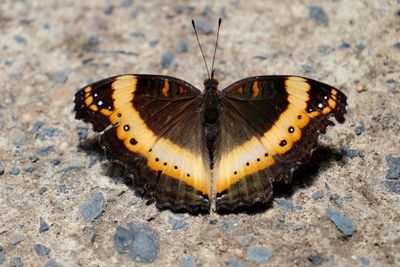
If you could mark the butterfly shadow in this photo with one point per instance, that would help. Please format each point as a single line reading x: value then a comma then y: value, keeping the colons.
x: 304, y: 177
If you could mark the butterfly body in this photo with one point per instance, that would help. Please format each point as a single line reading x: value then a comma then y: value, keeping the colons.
x: 187, y: 148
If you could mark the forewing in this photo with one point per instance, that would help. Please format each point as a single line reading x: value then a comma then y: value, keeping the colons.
x: 152, y: 125
x: 269, y: 126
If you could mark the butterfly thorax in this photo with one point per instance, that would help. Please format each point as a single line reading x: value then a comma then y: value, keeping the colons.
x: 210, y: 117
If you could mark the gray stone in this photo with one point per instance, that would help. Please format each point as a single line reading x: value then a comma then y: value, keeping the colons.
x: 28, y: 169
x: 48, y: 132
x: 127, y: 3
x: 360, y: 128
x: 360, y: 46
x: 63, y: 189
x: 55, y: 162
x: 316, y: 259
x: 73, y: 165
x: 18, y: 137
x: 138, y: 241
x: 204, y: 26
x: 20, y: 39
x: 176, y: 223
x: 393, y: 164
x: 2, y: 170
x: 307, y: 68
x: 167, y: 59
x: 344, y: 45
x: 227, y: 225
x: 15, y: 171
x: 109, y: 10
x: 43, y: 226
x: 233, y: 262
x: 42, y: 190
x: 153, y: 43
x: 93, y: 207
x: 260, y: 57
x: 2, y: 256
x: 62, y: 76
x: 181, y: 47
x: 16, y: 239
x: 350, y: 153
x: 243, y: 240
x: 337, y: 200
x: 82, y: 132
x: 393, y: 185
x: 396, y: 45
x: 324, y: 50
x: 344, y: 223
x: 317, y: 195
x: 259, y: 254
x: 317, y: 14
x: 365, y: 261
x: 52, y: 263
x: 41, y: 250
x: 284, y: 204
x: 16, y: 262
x: 44, y: 151
x: 186, y: 261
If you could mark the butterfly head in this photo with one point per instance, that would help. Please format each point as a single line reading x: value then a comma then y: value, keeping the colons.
x: 211, y: 83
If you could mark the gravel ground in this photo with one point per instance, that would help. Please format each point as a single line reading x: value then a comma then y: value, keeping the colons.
x: 63, y: 204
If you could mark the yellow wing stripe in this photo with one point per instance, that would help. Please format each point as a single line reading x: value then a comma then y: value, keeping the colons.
x: 181, y: 164
x: 258, y: 153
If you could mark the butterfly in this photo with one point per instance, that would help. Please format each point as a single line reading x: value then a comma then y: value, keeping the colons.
x: 189, y: 149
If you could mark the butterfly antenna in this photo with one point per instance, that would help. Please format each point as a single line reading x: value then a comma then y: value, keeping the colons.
x: 201, y: 49
x: 215, y: 49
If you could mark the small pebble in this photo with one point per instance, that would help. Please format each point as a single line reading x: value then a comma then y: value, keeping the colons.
x: 344, y: 45
x: 233, y: 262
x: 365, y: 261
x: 16, y: 239
x: 62, y: 76
x: 2, y: 256
x: 63, y: 189
x: 214, y: 221
x: 48, y: 132
x: 316, y: 259
x: 259, y: 254
x: 33, y: 158
x: 337, y: 200
x: 331, y: 260
x: 2, y: 170
x: 317, y: 14
x: 396, y: 45
x: 82, y: 132
x: 360, y: 128
x: 181, y: 47
x: 324, y: 49
x: 243, y: 240
x: 153, y: 43
x: 43, y: 226
x: 18, y: 137
x: 393, y: 185
x: 71, y: 166
x: 15, y: 171
x: 28, y: 169
x: 127, y: 3
x: 186, y: 261
x: 93, y: 207
x: 51, y: 263
x: 41, y: 250
x: 167, y: 59
x: 44, y: 151
x: 317, y: 195
x: 204, y: 26
x: 55, y: 162
x: 177, y: 224
x: 308, y: 68
x: 20, y: 39
x: 207, y: 10
x: 109, y: 10
x: 344, y: 223
x: 92, y: 162
x: 260, y: 57
x: 42, y: 190
x: 350, y: 153
x: 16, y: 262
x: 393, y: 164
x: 360, y: 46
x: 284, y: 204
x: 227, y: 225
x: 137, y: 34
x: 138, y: 241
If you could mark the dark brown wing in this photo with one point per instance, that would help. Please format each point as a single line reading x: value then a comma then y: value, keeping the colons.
x: 155, y: 131
x: 269, y: 126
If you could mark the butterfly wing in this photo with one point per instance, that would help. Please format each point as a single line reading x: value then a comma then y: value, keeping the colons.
x: 152, y: 125
x: 269, y: 126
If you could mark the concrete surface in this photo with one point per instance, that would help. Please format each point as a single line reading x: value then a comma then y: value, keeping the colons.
x: 341, y: 211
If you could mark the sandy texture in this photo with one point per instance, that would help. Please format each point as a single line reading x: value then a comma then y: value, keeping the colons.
x: 49, y: 49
